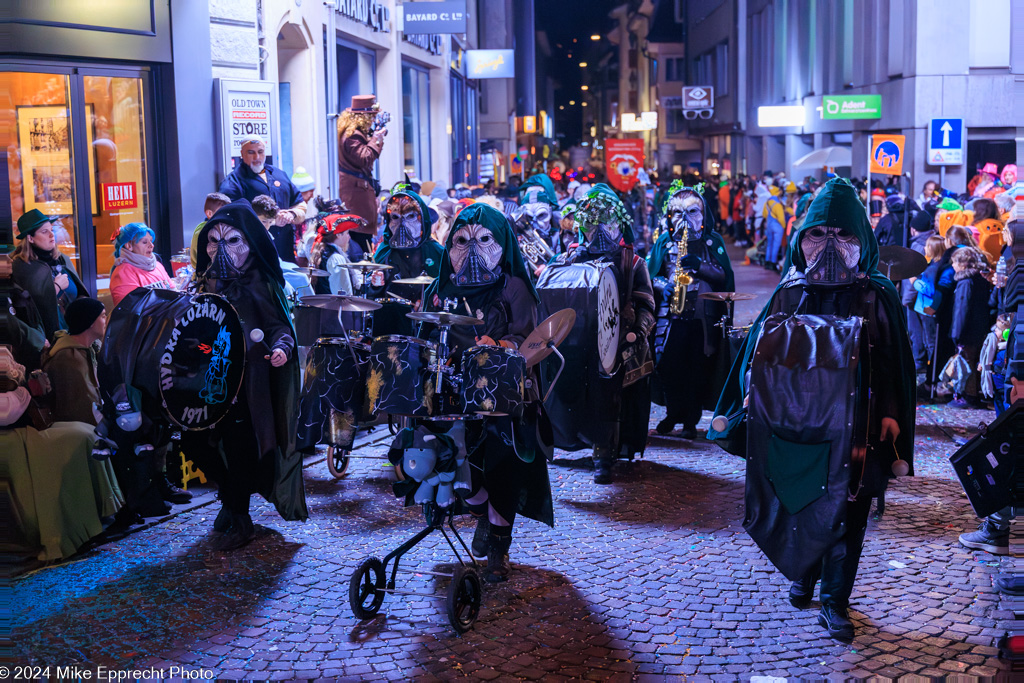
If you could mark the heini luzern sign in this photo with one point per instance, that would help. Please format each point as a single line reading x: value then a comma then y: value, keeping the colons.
x: 851, y: 107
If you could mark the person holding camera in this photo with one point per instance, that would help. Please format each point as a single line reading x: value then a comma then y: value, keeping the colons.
x: 359, y: 146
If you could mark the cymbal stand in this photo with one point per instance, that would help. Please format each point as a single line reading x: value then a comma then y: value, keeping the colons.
x: 554, y: 349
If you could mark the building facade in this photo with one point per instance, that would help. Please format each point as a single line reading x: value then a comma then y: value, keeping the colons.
x: 120, y: 115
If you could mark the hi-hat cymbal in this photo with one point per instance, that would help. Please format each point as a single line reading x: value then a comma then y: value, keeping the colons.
x: 366, y: 266
x: 442, y: 318
x: 899, y: 263
x: 340, y: 302
x: 546, y: 336
x: 312, y: 272
x: 421, y: 279
x: 726, y: 296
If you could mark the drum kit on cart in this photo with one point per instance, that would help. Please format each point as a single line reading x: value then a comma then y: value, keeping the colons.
x: 353, y: 379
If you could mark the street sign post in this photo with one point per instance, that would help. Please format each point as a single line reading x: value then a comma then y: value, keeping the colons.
x: 887, y: 154
x: 946, y: 142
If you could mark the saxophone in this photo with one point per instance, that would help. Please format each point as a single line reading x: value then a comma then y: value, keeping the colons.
x: 682, y: 279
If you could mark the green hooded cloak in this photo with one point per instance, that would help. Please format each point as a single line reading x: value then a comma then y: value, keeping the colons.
x: 602, y: 205
x: 444, y: 286
x: 837, y: 205
x: 430, y: 251
x: 716, y: 247
x: 547, y: 189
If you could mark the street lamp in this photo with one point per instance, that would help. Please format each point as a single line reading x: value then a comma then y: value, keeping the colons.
x: 583, y: 65
x: 595, y: 37
x: 584, y: 87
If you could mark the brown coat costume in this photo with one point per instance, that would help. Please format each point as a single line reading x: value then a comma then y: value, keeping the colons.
x: 356, y: 156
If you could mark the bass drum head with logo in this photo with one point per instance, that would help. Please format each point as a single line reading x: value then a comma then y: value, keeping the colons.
x: 609, y: 319
x: 202, y: 363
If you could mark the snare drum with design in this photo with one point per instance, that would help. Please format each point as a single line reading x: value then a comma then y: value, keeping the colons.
x: 399, y: 380
x: 493, y: 381
x: 333, y: 391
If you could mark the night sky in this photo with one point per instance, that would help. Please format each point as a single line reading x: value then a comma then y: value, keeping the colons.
x: 564, y: 20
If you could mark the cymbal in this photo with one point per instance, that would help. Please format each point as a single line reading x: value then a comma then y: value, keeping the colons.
x: 442, y: 318
x: 726, y: 296
x: 312, y: 272
x: 366, y: 266
x: 421, y: 279
x: 340, y: 302
x: 392, y: 299
x: 899, y: 263
x: 549, y: 334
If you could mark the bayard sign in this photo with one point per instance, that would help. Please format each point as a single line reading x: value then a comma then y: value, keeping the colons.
x: 433, y: 17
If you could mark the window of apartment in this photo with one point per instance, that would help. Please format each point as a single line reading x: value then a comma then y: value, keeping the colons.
x: 675, y: 123
x: 989, y: 36
x: 675, y: 68
x: 721, y: 69
x: 416, y: 121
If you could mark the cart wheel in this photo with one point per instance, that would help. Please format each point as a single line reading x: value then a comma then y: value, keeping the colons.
x: 464, y: 594
x: 366, y: 588
x: 338, y: 461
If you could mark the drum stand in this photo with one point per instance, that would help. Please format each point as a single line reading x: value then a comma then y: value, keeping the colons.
x: 369, y: 584
x: 554, y: 349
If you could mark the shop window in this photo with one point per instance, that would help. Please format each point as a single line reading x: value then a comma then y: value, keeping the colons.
x: 36, y: 130
x: 416, y: 122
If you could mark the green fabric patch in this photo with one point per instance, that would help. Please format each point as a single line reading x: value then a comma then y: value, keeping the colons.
x: 798, y: 471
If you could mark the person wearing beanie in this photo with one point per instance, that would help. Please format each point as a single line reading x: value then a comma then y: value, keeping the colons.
x: 304, y: 183
x: 921, y: 326
x: 71, y: 363
x: 44, y: 272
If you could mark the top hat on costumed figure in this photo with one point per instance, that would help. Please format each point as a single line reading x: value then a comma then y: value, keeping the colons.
x: 363, y: 104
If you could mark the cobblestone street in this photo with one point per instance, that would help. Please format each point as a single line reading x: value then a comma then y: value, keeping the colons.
x: 653, y: 575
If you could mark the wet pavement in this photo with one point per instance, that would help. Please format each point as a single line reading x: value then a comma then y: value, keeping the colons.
x: 651, y: 576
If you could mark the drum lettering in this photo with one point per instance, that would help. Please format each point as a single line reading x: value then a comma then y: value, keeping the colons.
x: 204, y: 312
x: 172, y: 342
x: 191, y: 314
x: 164, y: 361
x: 219, y: 315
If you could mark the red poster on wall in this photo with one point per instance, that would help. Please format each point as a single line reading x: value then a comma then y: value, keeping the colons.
x: 119, y: 196
x: 623, y: 158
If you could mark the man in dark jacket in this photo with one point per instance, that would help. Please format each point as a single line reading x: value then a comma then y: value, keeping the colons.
x: 254, y: 177
x: 890, y: 226
x: 921, y: 326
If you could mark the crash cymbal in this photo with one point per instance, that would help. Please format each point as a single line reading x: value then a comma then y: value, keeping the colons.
x: 442, y: 318
x: 366, y: 266
x: 421, y: 279
x: 900, y: 263
x: 726, y: 296
x: 546, y: 336
x: 340, y: 302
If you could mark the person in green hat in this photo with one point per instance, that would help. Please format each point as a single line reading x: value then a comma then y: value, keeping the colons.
x: 829, y: 406
x: 44, y: 272
x: 687, y: 344
x: 411, y: 251
x: 614, y: 418
x: 483, y: 275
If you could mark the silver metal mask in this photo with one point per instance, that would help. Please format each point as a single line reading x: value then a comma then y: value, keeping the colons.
x: 603, y: 238
x: 685, y: 210
x: 228, y: 251
x: 832, y: 255
x: 475, y: 256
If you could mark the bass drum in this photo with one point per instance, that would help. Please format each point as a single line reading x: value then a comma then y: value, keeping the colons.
x: 584, y: 405
x: 182, y: 355
x: 493, y: 381
x: 333, y: 392
x: 311, y: 323
x: 390, y: 318
x: 399, y: 380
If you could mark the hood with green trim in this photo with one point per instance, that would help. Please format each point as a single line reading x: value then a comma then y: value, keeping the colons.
x: 602, y: 205
x: 838, y: 206
x: 424, y: 214
x: 512, y: 262
x: 547, y: 190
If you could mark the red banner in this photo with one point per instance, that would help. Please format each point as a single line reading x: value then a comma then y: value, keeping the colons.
x: 623, y: 158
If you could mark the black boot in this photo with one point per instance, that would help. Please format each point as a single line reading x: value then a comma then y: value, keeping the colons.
x: 223, y: 521
x: 604, y: 460
x: 665, y: 427
x: 497, y: 557
x: 836, y: 620
x: 801, y: 592
x: 240, y: 534
x: 170, y: 492
x: 481, y: 537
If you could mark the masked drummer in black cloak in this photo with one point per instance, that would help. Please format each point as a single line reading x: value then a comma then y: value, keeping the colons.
x: 484, y: 274
x: 598, y: 411
x: 409, y: 248
x: 688, y: 259
x: 829, y: 409
x: 251, y: 450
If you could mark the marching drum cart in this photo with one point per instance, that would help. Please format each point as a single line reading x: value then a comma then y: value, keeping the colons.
x: 374, y: 578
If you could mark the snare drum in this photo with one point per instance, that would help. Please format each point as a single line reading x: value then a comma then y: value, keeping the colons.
x: 493, y: 381
x: 400, y: 380
x: 333, y: 391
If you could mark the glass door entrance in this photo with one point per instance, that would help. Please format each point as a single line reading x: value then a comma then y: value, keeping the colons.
x: 76, y: 147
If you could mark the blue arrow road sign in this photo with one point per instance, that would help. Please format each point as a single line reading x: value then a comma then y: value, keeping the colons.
x: 945, y: 142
